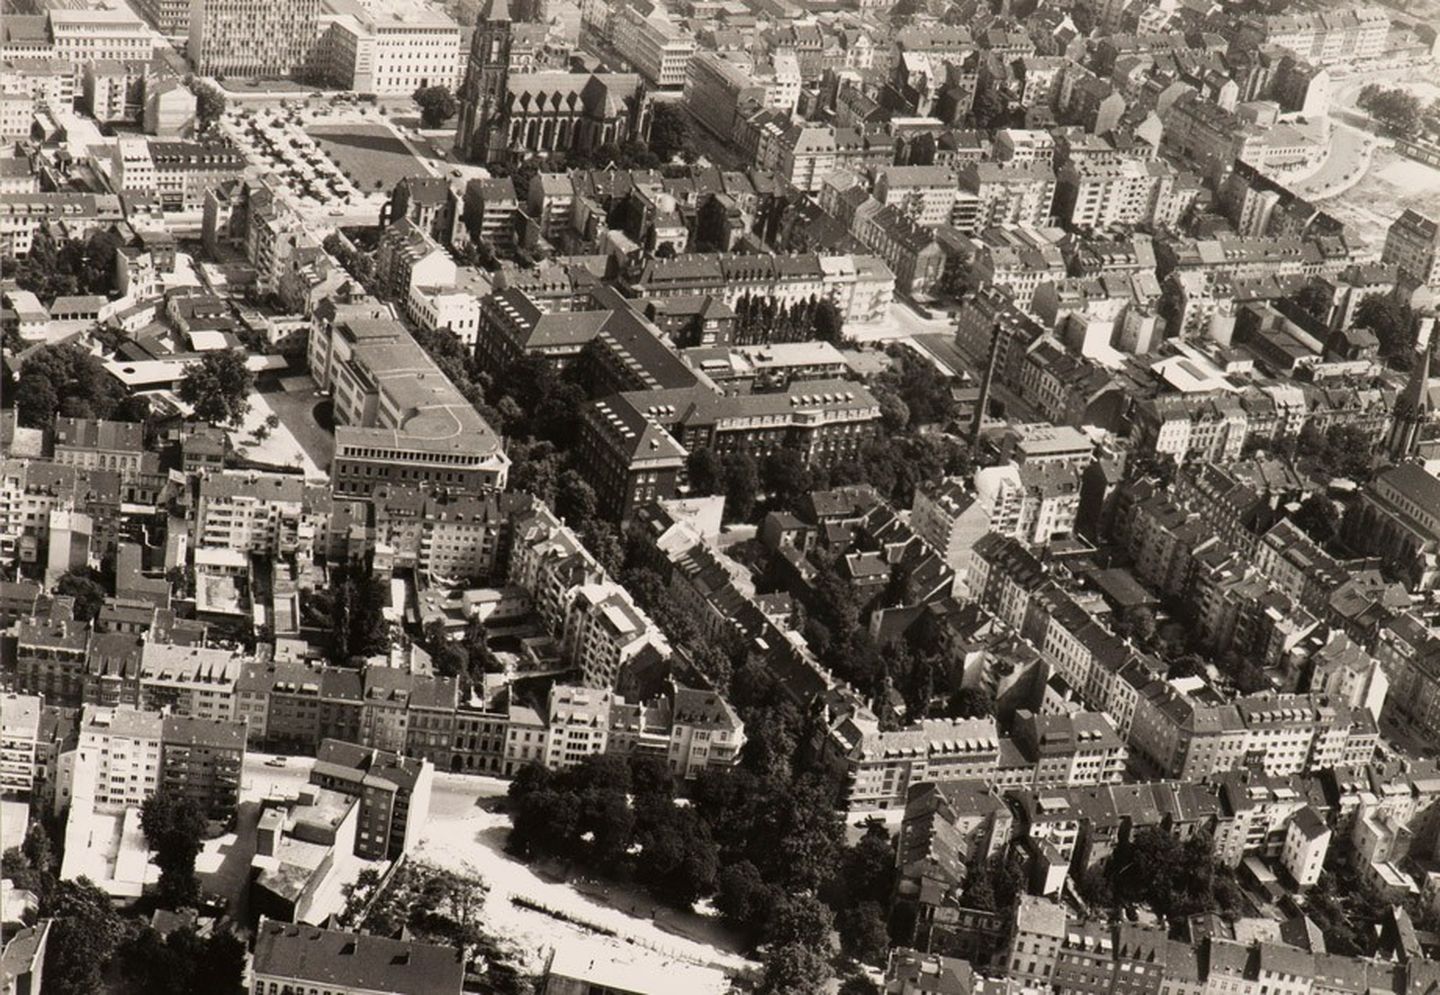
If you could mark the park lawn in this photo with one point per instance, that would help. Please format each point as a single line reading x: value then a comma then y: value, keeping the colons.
x: 371, y: 155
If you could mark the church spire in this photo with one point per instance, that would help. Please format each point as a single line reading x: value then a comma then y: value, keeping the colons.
x: 1412, y: 408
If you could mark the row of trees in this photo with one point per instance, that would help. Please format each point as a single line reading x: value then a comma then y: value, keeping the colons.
x: 353, y: 609
x: 763, y: 320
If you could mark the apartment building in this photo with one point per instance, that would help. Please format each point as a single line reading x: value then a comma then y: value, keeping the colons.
x: 1035, y: 503
x: 249, y: 38
x: 880, y: 767
x: 951, y: 519
x: 116, y: 759
x: 407, y: 258
x: 925, y: 194
x: 1412, y: 246
x: 1021, y: 192
x: 296, y: 958
x: 202, y: 759
x: 719, y: 92
x: 98, y: 444
x: 1352, y: 33
x: 394, y: 793
x: 195, y: 681
x: 21, y: 214
x: 19, y: 736
x: 1094, y: 193
x: 657, y: 48
x: 50, y: 655
x: 248, y: 511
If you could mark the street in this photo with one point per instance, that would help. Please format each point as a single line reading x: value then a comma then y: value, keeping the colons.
x: 900, y: 321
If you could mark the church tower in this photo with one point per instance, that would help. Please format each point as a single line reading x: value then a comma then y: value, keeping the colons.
x: 1412, y: 409
x: 481, y: 134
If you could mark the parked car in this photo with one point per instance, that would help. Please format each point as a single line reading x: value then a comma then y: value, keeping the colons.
x: 275, y: 762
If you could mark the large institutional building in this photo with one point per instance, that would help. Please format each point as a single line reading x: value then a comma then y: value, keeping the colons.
x: 251, y: 37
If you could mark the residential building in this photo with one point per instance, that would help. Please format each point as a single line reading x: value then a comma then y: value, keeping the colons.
x: 202, y: 759
x: 394, y: 793
x: 294, y: 958
x: 951, y: 519
x: 19, y: 736
x: 1412, y: 246
x: 116, y: 759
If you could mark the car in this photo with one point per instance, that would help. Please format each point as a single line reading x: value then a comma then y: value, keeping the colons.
x: 275, y: 762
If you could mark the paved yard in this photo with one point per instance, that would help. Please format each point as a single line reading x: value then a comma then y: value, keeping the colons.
x: 293, y: 401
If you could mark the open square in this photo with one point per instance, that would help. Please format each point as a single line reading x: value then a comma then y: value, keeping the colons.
x: 372, y: 156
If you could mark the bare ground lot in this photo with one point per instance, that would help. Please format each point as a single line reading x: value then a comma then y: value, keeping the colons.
x: 1393, y: 184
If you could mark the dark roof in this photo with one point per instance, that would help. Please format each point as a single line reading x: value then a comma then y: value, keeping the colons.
x: 334, y: 958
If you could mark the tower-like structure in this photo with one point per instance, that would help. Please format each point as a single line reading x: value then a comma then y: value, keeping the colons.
x: 1412, y: 409
x: 481, y: 134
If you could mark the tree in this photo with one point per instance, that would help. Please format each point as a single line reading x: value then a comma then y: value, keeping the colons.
x: 829, y: 323
x: 357, y: 613
x: 1393, y: 323
x: 705, y: 471
x: 437, y: 105
x: 218, y: 387
x: 902, y: 12
x: 670, y: 133
x: 802, y: 919
x: 1137, y: 622
x: 1397, y: 110
x: 742, y: 483
x: 1318, y: 517
x: 174, y: 827
x: 65, y: 379
x: 971, y: 703
x: 575, y: 499
x: 210, y: 103
x: 89, y: 596
x: 83, y: 937
x: 863, y: 933
x: 785, y: 475
x: 794, y: 970
x: 1314, y: 299
x: 182, y: 963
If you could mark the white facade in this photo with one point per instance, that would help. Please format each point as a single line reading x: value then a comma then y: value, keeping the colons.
x: 83, y: 36
x: 390, y: 56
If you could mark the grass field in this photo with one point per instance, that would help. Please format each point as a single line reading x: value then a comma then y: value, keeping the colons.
x: 367, y: 153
